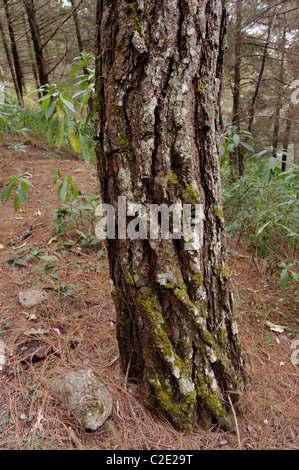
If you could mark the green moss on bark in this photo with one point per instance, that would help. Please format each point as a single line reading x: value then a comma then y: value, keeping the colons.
x: 137, y: 14
x: 205, y: 394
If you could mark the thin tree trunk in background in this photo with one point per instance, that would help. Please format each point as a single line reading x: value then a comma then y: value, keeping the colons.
x: 286, y: 139
x: 296, y: 150
x: 77, y: 27
x: 157, y: 86
x: 11, y: 67
x: 237, y: 159
x: 36, y: 38
x: 260, y: 77
x: 33, y: 63
x: 15, y: 55
x: 281, y: 97
x: 80, y: 43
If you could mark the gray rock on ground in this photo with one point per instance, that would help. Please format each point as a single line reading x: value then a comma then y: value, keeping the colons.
x: 83, y: 393
x: 32, y: 298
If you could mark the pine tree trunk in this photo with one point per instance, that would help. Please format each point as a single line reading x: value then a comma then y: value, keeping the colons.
x: 15, y: 55
x: 32, y: 61
x: 158, y: 76
x: 276, y: 130
x: 37, y: 43
x: 80, y: 44
x: 286, y: 139
x: 237, y: 158
x: 11, y: 67
x: 262, y: 69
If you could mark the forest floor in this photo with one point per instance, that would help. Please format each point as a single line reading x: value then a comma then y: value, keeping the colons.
x: 80, y: 317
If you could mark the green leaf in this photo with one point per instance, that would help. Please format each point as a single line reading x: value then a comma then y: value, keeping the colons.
x: 295, y: 275
x: 21, y: 262
x: 247, y: 146
x: 59, y: 190
x: 59, y: 132
x: 85, y: 99
x: 284, y: 273
x: 50, y: 132
x: 74, y: 141
x: 22, y: 194
x: 26, y: 181
x: 261, y: 153
x: 272, y: 163
x: 16, y: 203
x: 236, y: 139
x: 84, y: 148
x: 262, y: 228
x: 284, y: 283
x: 6, y: 193
x: 267, y: 176
x: 63, y: 192
x: 45, y: 101
x: 68, y: 104
x: 74, y: 70
x: 50, y: 110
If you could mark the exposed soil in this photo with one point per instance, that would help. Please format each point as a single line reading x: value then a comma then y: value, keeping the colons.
x: 80, y: 311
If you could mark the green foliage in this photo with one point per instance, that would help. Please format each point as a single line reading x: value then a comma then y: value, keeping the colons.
x: 67, y: 188
x: 262, y: 208
x: 286, y: 273
x: 18, y: 187
x: 78, y: 215
x: 65, y: 110
x: 15, y: 120
x: 232, y: 139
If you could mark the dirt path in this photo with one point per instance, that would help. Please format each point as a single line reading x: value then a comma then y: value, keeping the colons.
x: 80, y: 310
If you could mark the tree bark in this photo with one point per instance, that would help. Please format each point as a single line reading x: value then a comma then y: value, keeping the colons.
x: 11, y: 67
x: 37, y: 43
x: 237, y: 159
x: 77, y: 27
x: 32, y: 60
x: 286, y: 139
x: 80, y: 44
x: 158, y: 76
x: 15, y: 55
x: 261, y: 73
x: 280, y: 95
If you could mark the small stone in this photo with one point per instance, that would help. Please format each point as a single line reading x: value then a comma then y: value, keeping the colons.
x: 86, y: 397
x: 32, y: 298
x: 222, y: 441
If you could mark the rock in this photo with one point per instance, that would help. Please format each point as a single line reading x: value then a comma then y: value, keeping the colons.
x: 32, y: 298
x: 86, y: 397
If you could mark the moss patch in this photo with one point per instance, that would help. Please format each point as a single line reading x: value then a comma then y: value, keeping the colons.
x: 137, y: 14
x: 211, y: 400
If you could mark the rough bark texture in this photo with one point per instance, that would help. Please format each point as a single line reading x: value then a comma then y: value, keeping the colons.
x: 158, y: 75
